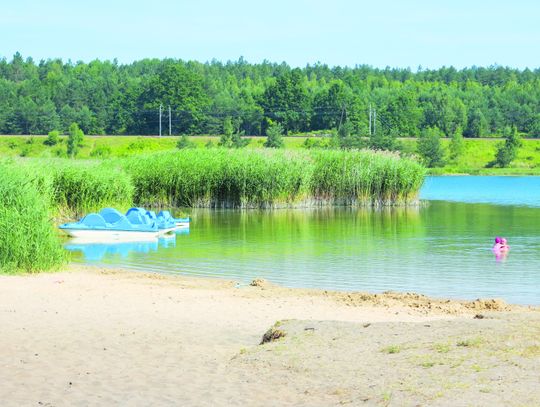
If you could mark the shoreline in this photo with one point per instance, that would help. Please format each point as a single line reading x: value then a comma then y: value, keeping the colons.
x: 408, y: 299
x: 95, y: 336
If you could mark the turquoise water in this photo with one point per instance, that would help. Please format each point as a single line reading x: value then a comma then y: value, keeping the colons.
x: 492, y: 190
x: 442, y: 248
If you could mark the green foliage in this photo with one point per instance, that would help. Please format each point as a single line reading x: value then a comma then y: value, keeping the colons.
x: 28, y: 242
x: 457, y: 145
x: 430, y: 147
x: 316, y: 142
x: 53, y: 138
x: 185, y: 142
x: 226, y: 139
x: 287, y: 101
x: 231, y: 138
x: 218, y: 178
x: 274, y: 136
x: 82, y: 187
x: 107, y: 97
x: 258, y: 178
x: 507, y: 151
x: 240, y: 142
x: 179, y: 87
x: 382, y: 141
x: 534, y: 128
x: 477, y: 124
x: 75, y: 140
x: 101, y: 152
x: 345, y: 138
x: 25, y: 152
x: 365, y: 177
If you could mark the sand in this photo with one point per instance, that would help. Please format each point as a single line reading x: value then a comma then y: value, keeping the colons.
x: 99, y: 337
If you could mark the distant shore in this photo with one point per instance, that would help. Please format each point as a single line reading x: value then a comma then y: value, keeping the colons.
x: 101, y: 337
x: 478, y: 151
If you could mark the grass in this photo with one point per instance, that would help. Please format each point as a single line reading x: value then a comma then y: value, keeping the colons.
x: 442, y: 347
x: 99, y: 147
x: 471, y: 342
x: 392, y: 349
x: 28, y: 241
x: 477, y: 152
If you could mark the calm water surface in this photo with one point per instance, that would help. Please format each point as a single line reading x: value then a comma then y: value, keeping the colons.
x: 442, y: 248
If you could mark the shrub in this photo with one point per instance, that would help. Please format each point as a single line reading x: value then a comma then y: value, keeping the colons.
x: 185, y: 142
x: 25, y: 152
x: 52, y: 139
x: 101, y: 152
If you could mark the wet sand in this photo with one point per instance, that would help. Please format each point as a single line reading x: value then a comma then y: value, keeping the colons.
x: 101, y: 337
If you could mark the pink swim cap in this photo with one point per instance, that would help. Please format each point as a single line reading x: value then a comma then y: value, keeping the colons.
x: 498, y: 240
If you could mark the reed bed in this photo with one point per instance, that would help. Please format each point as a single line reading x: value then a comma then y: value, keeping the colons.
x: 365, y: 178
x: 218, y: 178
x: 28, y: 240
x: 77, y: 187
x: 222, y: 178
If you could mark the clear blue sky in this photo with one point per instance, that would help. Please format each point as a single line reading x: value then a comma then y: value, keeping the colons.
x: 396, y: 33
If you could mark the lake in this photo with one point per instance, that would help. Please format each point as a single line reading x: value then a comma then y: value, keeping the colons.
x: 441, y: 248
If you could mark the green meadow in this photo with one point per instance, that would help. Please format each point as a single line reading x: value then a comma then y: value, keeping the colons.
x: 478, y: 152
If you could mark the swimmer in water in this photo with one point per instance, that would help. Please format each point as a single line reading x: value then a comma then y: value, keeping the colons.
x: 500, y: 249
x: 498, y: 244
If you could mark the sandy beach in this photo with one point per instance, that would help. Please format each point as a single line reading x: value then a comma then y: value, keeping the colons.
x: 88, y: 337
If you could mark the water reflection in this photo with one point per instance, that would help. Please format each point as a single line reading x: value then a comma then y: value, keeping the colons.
x: 93, y: 251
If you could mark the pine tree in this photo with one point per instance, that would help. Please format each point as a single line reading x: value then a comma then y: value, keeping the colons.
x: 226, y: 139
x: 430, y: 147
x: 274, y: 136
x: 507, y: 151
x: 75, y: 140
x: 457, y: 145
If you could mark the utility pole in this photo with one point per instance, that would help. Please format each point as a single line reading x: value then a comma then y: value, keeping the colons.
x: 370, y: 119
x: 160, y: 112
x: 170, y: 121
x: 374, y: 121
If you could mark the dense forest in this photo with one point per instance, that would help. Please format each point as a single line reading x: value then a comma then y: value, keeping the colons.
x: 105, y: 97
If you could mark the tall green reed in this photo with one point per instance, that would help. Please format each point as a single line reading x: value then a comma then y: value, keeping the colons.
x: 262, y: 178
x: 28, y: 241
x: 81, y: 186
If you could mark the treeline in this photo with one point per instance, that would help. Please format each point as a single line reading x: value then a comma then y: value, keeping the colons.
x: 105, y: 97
